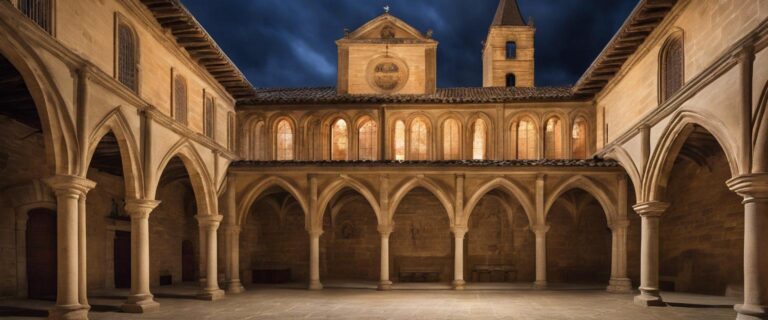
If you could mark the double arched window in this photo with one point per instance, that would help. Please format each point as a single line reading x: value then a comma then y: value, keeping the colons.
x: 339, y: 141
x: 526, y: 139
x: 366, y: 144
x: 399, y: 141
x: 451, y: 140
x: 579, y: 139
x: 479, y: 139
x: 419, y: 140
x: 284, y: 143
x: 553, y: 139
x: 671, y: 68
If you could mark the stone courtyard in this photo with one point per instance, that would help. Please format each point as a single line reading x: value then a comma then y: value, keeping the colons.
x: 412, y: 301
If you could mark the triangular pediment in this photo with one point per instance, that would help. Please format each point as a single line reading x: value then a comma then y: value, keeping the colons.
x: 387, y: 27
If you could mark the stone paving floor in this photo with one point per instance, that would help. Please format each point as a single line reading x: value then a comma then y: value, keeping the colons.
x: 359, y: 301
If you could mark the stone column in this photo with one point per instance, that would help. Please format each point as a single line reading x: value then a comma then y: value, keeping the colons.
x: 541, y: 255
x: 233, y: 244
x: 458, y: 257
x: 208, y: 226
x: 619, y: 282
x: 203, y: 238
x: 314, y: 260
x: 141, y: 299
x: 82, y: 256
x: 384, y: 282
x: 754, y: 189
x: 649, y: 253
x: 68, y: 191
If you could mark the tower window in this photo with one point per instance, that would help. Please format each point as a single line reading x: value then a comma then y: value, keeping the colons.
x: 511, y: 50
x: 511, y: 80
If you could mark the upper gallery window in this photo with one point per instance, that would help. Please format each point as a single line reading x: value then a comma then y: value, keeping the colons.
x: 180, y: 99
x: 40, y: 11
x: 399, y: 140
x: 127, y: 57
x: 339, y: 140
x: 479, y: 139
x: 579, y: 139
x: 511, y: 50
x: 511, y: 80
x: 451, y: 140
x: 284, y: 141
x: 553, y: 139
x: 209, y: 108
x: 419, y: 140
x: 526, y: 139
x: 671, y: 68
x: 367, y: 141
x: 231, y: 131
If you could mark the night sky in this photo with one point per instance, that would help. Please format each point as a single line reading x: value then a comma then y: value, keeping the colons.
x: 291, y: 43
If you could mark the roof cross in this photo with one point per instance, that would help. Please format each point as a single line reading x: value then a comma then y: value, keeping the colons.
x: 386, y: 9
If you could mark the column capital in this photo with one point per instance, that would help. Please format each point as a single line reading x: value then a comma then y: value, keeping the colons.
x: 540, y: 228
x: 211, y: 220
x: 459, y: 231
x: 69, y: 184
x: 619, y: 224
x: 315, y: 233
x: 651, y: 209
x: 385, y: 230
x: 753, y: 187
x: 140, y: 208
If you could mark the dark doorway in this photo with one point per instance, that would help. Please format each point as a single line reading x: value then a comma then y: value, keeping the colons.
x: 187, y: 261
x: 122, y: 260
x: 41, y: 254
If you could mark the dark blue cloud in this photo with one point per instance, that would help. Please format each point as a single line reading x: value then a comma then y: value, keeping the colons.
x: 291, y: 43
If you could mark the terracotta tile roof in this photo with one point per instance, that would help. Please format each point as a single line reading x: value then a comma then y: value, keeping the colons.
x: 589, y: 163
x: 323, y: 95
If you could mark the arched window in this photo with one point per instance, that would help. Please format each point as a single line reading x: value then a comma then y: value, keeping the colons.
x: 419, y: 140
x: 284, y: 141
x: 367, y: 141
x: 451, y: 140
x: 671, y: 68
x: 180, y: 99
x: 511, y: 50
x: 399, y: 140
x: 339, y: 141
x: 553, y: 139
x: 526, y: 139
x: 511, y: 80
x: 40, y: 11
x: 579, y: 139
x: 127, y: 57
x: 479, y: 139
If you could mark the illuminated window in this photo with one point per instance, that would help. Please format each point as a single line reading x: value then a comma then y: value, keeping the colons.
x: 526, y: 140
x: 180, y: 99
x: 284, y: 141
x: 339, y: 140
x: 451, y: 140
x: 127, y: 57
x: 671, y: 68
x: 579, y: 139
x: 553, y: 139
x: 367, y: 141
x: 400, y: 140
x: 479, y: 137
x: 419, y: 140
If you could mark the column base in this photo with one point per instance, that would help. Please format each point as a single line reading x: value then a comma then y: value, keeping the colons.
x: 315, y: 285
x: 141, y: 303
x: 68, y: 312
x: 459, y: 284
x: 620, y: 285
x: 540, y: 285
x: 384, y: 285
x: 210, y: 294
x: 235, y: 287
x: 751, y: 312
x: 649, y: 298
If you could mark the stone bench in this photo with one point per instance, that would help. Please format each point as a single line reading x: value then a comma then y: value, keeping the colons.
x: 271, y: 275
x: 494, y: 273
x: 419, y: 275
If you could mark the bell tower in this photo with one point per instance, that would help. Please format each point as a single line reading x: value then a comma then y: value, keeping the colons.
x: 508, y: 50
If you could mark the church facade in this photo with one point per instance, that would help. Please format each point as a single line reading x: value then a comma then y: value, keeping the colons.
x: 137, y: 155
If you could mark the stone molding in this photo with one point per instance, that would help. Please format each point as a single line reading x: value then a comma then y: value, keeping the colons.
x: 753, y: 187
x: 140, y: 208
x: 651, y: 209
x: 64, y: 185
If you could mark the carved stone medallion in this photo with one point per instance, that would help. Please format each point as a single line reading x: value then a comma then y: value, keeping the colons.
x: 387, y: 74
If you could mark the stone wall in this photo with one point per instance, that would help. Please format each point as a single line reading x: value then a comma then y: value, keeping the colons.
x: 702, y: 233
x: 352, y: 243
x: 170, y: 224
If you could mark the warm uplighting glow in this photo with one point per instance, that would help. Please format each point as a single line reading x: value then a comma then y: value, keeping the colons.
x: 367, y: 141
x: 419, y: 140
x: 451, y: 140
x: 553, y: 139
x: 400, y: 140
x: 339, y: 141
x: 480, y: 135
x: 526, y: 140
x: 284, y: 141
x: 579, y: 139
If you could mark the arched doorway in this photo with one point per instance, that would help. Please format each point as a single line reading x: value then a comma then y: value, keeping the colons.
x: 351, y: 239
x: 421, y: 246
x: 500, y: 248
x: 701, y: 234
x: 41, y: 254
x: 578, y: 241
